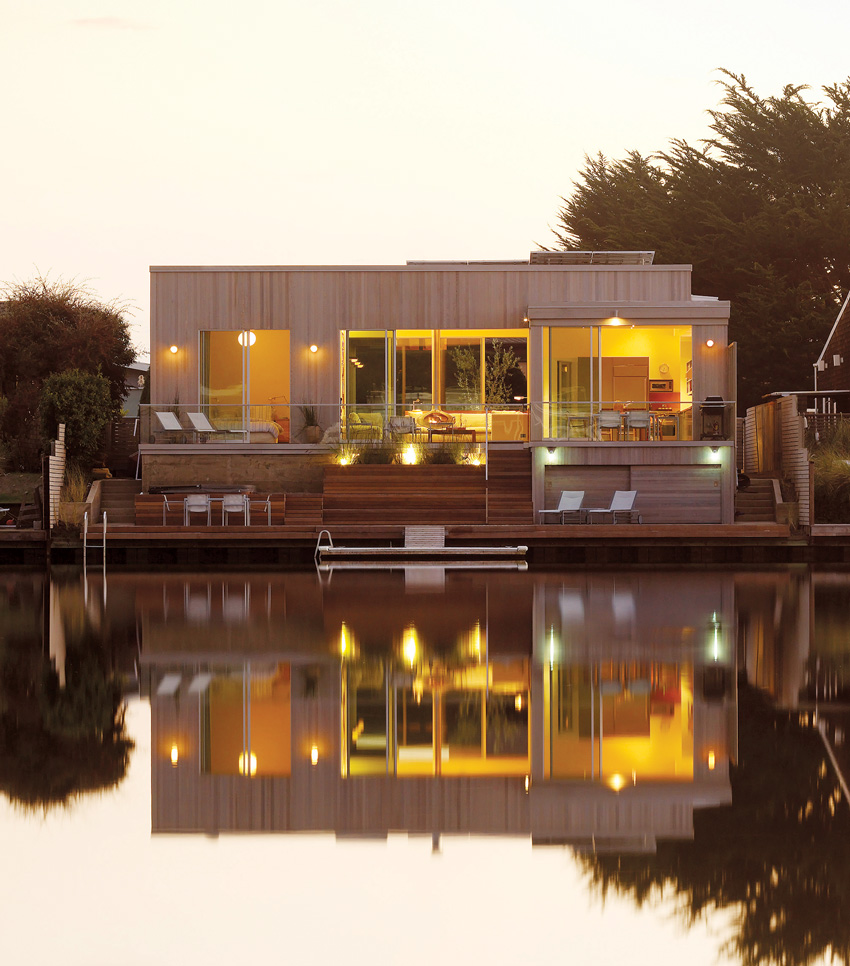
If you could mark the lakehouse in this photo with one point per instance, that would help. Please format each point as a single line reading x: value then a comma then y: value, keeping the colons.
x: 599, y: 370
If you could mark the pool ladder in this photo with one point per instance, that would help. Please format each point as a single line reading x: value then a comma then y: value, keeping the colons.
x: 87, y: 545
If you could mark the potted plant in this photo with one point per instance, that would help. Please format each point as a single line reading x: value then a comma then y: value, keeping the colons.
x: 312, y: 431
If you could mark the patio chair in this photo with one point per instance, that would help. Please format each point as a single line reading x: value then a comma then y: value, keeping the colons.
x: 569, y: 503
x: 169, y: 425
x: 608, y: 421
x: 203, y: 427
x: 196, y: 503
x: 234, y: 503
x: 621, y: 507
x: 260, y: 504
x: 171, y: 504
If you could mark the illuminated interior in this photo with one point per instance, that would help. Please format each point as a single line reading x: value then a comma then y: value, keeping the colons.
x: 416, y: 718
x: 620, y: 719
x: 245, y: 377
x: 618, y: 366
x: 414, y: 371
x: 246, y: 723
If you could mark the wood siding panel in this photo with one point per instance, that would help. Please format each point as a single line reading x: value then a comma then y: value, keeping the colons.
x: 678, y: 494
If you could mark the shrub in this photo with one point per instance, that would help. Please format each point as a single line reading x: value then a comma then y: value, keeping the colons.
x: 82, y: 402
x: 830, y: 457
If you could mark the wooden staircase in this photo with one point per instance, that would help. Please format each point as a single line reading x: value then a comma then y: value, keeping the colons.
x: 117, y: 500
x: 756, y: 503
x: 509, y: 499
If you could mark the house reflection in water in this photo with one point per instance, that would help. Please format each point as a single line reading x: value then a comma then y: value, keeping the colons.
x: 592, y: 709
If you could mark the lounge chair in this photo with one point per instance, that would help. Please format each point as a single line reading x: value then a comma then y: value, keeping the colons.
x: 203, y: 427
x: 569, y: 504
x: 621, y: 508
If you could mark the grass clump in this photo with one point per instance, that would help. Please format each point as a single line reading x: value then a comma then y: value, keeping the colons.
x: 830, y: 456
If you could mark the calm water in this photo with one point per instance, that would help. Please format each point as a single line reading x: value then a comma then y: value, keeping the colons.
x: 513, y: 765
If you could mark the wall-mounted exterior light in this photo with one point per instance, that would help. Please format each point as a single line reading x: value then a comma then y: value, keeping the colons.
x: 710, y: 343
x: 314, y: 348
x: 314, y: 755
x: 246, y: 337
x: 173, y: 350
x: 175, y: 754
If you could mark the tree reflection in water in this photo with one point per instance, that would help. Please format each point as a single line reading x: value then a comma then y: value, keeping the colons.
x: 57, y: 742
x: 779, y: 856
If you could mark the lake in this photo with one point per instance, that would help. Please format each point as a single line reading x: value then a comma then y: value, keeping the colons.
x: 424, y: 763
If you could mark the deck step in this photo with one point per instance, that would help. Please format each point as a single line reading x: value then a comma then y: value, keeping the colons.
x: 425, y: 537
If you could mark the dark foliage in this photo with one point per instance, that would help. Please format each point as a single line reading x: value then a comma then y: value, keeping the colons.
x: 761, y: 211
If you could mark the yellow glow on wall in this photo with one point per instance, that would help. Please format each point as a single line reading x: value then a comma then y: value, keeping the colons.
x: 175, y: 754
x: 616, y: 782
x: 711, y: 761
x: 314, y: 755
x: 173, y: 350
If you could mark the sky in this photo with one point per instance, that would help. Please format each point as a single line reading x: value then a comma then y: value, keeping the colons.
x: 274, y: 132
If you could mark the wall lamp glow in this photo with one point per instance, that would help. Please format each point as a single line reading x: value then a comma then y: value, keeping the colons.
x: 715, y: 449
x: 175, y: 754
x: 710, y: 343
x: 173, y: 350
x: 314, y: 348
x: 711, y: 761
x: 246, y: 337
x: 314, y: 755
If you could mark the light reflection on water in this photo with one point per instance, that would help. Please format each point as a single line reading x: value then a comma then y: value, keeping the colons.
x: 596, y: 709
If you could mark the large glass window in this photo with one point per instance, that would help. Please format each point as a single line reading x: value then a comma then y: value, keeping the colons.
x: 619, y: 368
x: 244, y: 380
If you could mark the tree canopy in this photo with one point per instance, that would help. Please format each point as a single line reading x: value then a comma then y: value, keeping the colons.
x: 761, y: 211
x: 49, y: 327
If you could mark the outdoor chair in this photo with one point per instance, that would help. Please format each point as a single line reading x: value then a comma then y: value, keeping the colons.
x: 621, y: 508
x: 196, y: 503
x: 260, y: 504
x: 234, y: 503
x: 169, y: 425
x: 569, y: 504
x: 203, y: 427
x: 171, y: 504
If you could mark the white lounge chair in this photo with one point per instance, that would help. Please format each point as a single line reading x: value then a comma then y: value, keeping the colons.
x: 569, y: 504
x: 203, y: 427
x: 621, y: 508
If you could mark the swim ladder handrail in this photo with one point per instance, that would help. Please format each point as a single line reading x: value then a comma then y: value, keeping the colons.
x: 318, y: 550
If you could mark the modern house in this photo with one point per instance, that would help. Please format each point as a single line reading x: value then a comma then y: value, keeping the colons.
x: 604, y: 369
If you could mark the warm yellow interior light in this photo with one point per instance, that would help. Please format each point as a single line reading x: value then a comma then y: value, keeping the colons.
x: 518, y: 702
x: 175, y: 754
x: 616, y: 782
x: 314, y: 754
x: 409, y: 645
x: 248, y: 766
x: 711, y: 761
x: 343, y: 638
x: 173, y: 350
x: 246, y: 337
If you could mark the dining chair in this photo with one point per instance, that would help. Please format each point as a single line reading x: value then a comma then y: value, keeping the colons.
x: 196, y: 503
x: 171, y: 504
x: 261, y: 504
x: 234, y: 503
x: 608, y: 421
x: 638, y: 423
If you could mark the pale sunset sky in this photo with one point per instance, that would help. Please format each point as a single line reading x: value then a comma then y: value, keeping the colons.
x: 192, y: 132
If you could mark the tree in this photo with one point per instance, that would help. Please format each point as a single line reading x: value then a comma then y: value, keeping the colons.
x: 761, y: 212
x: 48, y: 327
x: 81, y: 401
